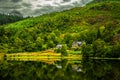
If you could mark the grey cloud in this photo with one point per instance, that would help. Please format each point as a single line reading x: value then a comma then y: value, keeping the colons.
x: 43, y: 10
x: 16, y: 1
x: 66, y: 0
x: 4, y: 0
x: 11, y: 1
x: 48, y: 9
x: 9, y: 6
x: 39, y: 5
x: 26, y: 4
x: 15, y: 12
x: 26, y: 8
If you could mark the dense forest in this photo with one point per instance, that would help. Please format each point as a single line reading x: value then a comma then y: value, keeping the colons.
x: 6, y: 18
x: 95, y: 1
x: 96, y: 26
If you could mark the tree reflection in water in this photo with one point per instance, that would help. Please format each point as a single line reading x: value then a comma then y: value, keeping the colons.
x: 60, y: 70
x: 101, y: 69
x: 35, y: 70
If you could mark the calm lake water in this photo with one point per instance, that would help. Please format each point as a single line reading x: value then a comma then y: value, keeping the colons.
x: 56, y: 69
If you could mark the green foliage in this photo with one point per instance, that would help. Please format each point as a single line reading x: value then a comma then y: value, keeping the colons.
x: 98, y: 25
x: 98, y: 47
x: 64, y: 50
x: 96, y: 1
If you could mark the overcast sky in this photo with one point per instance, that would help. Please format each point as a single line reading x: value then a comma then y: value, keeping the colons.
x: 38, y: 7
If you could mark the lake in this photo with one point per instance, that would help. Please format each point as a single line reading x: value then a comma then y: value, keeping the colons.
x: 59, y: 69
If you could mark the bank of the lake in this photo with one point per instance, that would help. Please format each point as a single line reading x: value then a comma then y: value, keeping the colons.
x: 104, y: 58
x: 48, y: 54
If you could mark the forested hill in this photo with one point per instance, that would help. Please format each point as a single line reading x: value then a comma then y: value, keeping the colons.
x: 5, y: 18
x: 104, y: 0
x: 96, y: 1
x: 98, y: 25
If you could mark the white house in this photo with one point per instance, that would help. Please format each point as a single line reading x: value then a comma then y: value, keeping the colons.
x: 76, y: 44
x: 59, y: 46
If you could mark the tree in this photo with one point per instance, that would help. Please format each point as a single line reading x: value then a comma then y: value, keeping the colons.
x: 5, y: 18
x: 64, y: 50
x: 18, y: 42
x: 87, y: 50
x: 50, y: 44
x: 68, y: 40
x: 39, y: 42
x: 98, y: 47
x: 98, y: 33
x: 1, y: 31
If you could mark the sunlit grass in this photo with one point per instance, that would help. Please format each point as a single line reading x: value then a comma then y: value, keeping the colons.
x: 47, y: 57
x: 42, y: 55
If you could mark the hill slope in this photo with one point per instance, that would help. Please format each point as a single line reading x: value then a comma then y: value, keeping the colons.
x: 96, y: 1
x: 94, y: 24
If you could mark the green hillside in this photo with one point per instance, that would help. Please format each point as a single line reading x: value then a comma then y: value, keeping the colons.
x: 97, y: 25
x: 95, y: 1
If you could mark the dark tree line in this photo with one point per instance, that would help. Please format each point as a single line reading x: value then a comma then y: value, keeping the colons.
x: 6, y: 18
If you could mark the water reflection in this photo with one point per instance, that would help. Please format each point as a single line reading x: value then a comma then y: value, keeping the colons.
x: 37, y: 70
x: 101, y: 70
x: 60, y: 69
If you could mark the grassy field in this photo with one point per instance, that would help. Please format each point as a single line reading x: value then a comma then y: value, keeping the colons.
x: 49, y: 60
x: 48, y: 54
x: 40, y: 55
x: 45, y: 56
